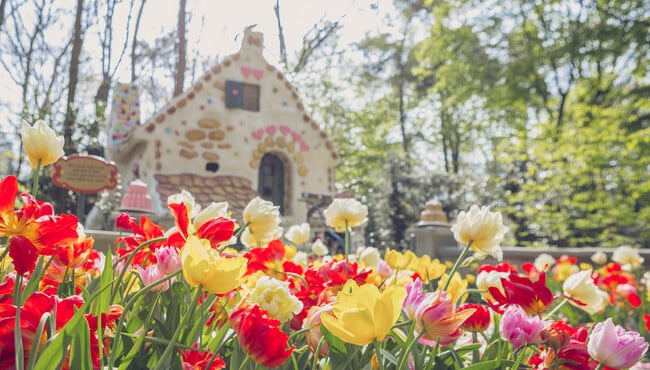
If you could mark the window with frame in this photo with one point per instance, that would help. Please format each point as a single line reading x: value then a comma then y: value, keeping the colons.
x: 243, y: 96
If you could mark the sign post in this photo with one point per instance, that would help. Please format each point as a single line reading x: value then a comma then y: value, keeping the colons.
x: 84, y: 174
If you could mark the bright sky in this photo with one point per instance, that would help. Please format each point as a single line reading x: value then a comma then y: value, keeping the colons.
x: 214, y: 24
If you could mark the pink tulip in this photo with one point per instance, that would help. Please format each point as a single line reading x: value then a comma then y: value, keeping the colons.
x: 151, y: 274
x: 169, y: 261
x: 613, y: 346
x: 518, y: 328
x: 413, y: 299
x: 383, y: 270
x: 438, y: 318
x: 313, y: 323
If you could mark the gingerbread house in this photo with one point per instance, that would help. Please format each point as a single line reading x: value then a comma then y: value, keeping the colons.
x: 239, y: 131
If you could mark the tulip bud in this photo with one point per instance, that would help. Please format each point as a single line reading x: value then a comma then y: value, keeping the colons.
x: 169, y: 261
x: 41, y: 144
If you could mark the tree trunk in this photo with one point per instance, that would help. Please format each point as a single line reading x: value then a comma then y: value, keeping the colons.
x: 135, y: 40
x: 399, y: 60
x: 179, y: 81
x: 61, y: 195
x: 445, y: 143
x: 73, y: 74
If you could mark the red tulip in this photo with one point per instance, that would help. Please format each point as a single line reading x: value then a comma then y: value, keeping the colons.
x: 37, y: 229
x: 479, y: 320
x: 260, y: 336
x: 533, y: 296
x: 145, y: 231
x: 198, y: 360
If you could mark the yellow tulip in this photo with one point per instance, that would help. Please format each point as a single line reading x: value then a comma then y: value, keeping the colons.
x: 429, y: 269
x: 456, y: 287
x: 362, y: 314
x: 41, y: 143
x: 262, y: 218
x: 203, y: 265
x: 275, y: 296
x: 290, y: 251
x: 298, y: 234
x: 345, y: 212
x: 483, y: 228
x: 401, y: 261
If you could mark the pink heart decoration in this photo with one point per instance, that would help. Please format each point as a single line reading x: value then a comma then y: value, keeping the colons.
x: 304, y: 147
x: 296, y: 136
x: 284, y: 129
x: 257, y: 134
x: 271, y: 129
x: 246, y: 71
x: 258, y: 73
x: 235, y: 92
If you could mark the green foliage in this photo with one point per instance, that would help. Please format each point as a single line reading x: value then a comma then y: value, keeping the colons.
x: 552, y: 95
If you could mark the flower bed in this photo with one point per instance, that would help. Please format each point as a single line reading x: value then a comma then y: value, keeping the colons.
x: 185, y: 298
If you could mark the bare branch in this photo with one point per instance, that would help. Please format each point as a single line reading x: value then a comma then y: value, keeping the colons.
x: 313, y: 40
x: 283, y: 47
x: 126, y: 39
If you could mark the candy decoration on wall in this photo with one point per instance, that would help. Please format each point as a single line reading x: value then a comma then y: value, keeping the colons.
x: 271, y: 130
x: 248, y: 71
x: 125, y: 113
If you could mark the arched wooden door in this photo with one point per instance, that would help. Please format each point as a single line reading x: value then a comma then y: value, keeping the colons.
x: 271, y: 180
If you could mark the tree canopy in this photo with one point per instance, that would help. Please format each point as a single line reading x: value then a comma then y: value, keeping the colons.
x: 538, y: 109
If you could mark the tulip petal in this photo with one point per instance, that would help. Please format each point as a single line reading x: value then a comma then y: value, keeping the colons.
x: 354, y: 327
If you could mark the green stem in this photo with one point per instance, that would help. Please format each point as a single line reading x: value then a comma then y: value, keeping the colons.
x: 130, y: 258
x: 557, y: 308
x: 346, y: 247
x: 377, y: 345
x: 241, y: 230
x: 244, y: 363
x: 4, y: 253
x: 403, y: 361
x: 519, y: 359
x: 457, y: 264
x: 600, y: 366
x: 314, y: 363
x: 467, y: 292
x: 36, y: 175
x: 18, y: 338
x: 127, y: 306
x: 475, y: 353
x: 179, y: 329
x: 432, y: 357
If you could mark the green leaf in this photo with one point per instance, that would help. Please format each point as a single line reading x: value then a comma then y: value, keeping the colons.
x: 336, y: 344
x: 486, y: 365
x: 56, y: 347
x: 35, y: 279
x: 80, y: 357
x: 45, y: 319
x: 101, y: 303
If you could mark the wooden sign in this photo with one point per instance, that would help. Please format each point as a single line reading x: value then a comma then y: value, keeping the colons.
x: 87, y: 174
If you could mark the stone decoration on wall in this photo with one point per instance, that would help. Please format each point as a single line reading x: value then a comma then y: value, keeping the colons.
x: 239, y: 131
